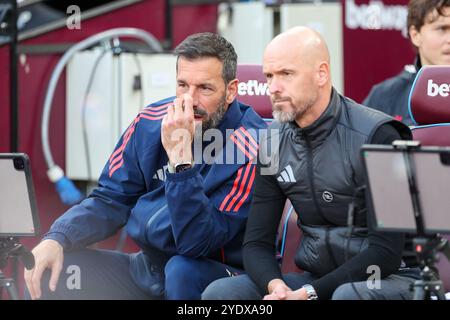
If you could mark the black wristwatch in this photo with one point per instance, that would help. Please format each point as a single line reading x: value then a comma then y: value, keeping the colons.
x: 179, y: 167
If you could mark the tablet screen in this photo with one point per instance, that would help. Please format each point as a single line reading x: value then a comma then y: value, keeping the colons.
x: 18, y: 216
x: 388, y: 184
x: 390, y: 191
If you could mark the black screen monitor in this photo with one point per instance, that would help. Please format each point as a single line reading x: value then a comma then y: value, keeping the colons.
x: 389, y: 188
x: 18, y: 212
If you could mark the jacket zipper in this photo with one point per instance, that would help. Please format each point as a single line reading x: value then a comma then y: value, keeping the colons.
x: 309, y: 161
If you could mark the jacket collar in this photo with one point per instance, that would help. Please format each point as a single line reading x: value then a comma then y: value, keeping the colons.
x: 319, y: 130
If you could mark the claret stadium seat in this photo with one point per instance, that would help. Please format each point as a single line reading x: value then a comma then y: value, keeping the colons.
x: 429, y: 107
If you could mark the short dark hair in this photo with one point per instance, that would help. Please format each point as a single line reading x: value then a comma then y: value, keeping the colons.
x: 209, y: 44
x: 418, y: 11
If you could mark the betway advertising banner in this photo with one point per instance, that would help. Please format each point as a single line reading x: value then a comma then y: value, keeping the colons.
x: 376, y: 44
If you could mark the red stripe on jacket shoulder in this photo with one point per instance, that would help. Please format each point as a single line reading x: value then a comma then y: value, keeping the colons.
x: 116, y: 159
x: 245, y: 142
x: 158, y: 108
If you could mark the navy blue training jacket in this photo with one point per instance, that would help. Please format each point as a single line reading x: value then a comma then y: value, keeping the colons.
x: 200, y: 212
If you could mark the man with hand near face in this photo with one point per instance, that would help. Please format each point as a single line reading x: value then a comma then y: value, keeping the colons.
x: 188, y: 218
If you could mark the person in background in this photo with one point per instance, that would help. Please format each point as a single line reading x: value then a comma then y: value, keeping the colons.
x: 429, y: 32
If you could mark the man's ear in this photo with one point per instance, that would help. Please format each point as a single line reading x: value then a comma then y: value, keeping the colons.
x: 231, y: 92
x: 323, y: 74
x: 415, y: 36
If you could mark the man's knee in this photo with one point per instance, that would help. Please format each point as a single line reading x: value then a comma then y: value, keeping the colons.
x: 220, y: 289
x: 348, y: 292
x: 180, y: 269
x: 233, y: 288
x: 184, y: 279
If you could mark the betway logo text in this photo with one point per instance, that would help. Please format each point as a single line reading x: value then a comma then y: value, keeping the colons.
x: 434, y: 89
x: 253, y: 88
x: 376, y: 16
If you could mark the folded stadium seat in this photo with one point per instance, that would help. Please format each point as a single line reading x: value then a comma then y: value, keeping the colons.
x: 253, y: 91
x: 429, y: 107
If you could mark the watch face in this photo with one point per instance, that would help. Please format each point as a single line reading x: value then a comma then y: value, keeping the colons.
x: 182, y: 167
x: 312, y: 295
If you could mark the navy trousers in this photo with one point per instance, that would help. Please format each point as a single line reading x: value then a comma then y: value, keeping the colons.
x: 104, y: 274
